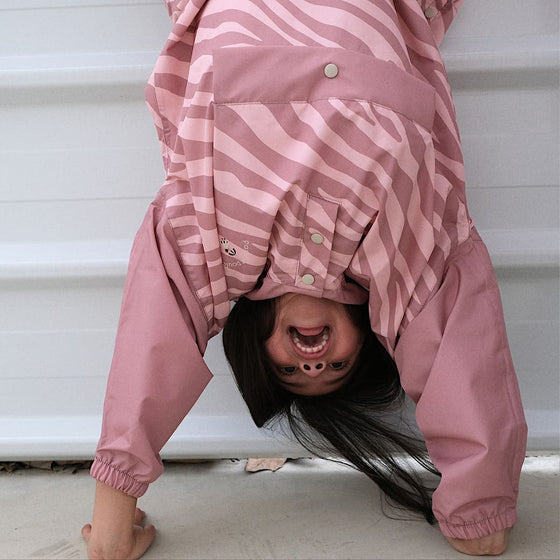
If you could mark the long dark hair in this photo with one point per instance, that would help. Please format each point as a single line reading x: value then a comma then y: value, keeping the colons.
x: 356, y: 422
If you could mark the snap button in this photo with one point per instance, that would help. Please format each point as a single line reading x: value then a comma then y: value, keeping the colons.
x: 430, y: 12
x: 331, y: 70
x: 317, y: 238
x: 308, y: 279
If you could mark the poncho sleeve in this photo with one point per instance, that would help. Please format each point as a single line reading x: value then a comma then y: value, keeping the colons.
x: 455, y: 363
x: 158, y: 371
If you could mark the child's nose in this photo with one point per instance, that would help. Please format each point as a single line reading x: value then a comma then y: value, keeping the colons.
x: 312, y: 368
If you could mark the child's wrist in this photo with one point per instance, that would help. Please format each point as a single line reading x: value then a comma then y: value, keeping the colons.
x: 113, y: 508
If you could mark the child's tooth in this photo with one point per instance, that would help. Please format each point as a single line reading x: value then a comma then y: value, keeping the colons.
x: 310, y: 349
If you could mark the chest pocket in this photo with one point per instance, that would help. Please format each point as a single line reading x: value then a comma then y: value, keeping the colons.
x: 306, y: 140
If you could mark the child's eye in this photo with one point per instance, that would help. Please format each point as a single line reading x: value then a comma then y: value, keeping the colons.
x: 287, y: 370
x: 338, y: 365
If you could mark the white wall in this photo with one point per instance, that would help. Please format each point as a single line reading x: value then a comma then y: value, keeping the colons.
x: 79, y: 163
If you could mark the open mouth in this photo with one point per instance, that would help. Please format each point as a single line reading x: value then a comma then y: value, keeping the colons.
x: 310, y: 341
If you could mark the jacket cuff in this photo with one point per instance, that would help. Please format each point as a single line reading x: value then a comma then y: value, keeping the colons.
x: 481, y: 528
x: 117, y: 479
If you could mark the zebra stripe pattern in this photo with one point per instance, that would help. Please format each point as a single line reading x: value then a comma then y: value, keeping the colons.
x: 343, y: 182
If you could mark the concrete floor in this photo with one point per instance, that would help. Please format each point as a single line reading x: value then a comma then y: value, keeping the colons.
x: 308, y: 509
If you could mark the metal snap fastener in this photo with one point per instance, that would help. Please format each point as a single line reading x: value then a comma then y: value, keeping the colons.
x: 317, y: 238
x: 430, y: 12
x: 331, y: 70
x: 308, y: 279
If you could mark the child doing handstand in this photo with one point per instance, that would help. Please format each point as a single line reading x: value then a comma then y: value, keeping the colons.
x: 314, y: 176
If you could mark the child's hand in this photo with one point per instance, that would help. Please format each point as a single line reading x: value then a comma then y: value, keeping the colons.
x: 119, y: 546
x: 117, y: 531
x: 492, y: 545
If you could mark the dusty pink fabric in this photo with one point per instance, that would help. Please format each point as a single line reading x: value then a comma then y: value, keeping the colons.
x: 265, y: 148
x: 455, y: 363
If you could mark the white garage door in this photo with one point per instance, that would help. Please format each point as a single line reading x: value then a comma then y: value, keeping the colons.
x: 79, y: 163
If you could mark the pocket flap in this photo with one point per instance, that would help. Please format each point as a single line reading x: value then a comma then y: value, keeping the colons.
x: 278, y: 74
